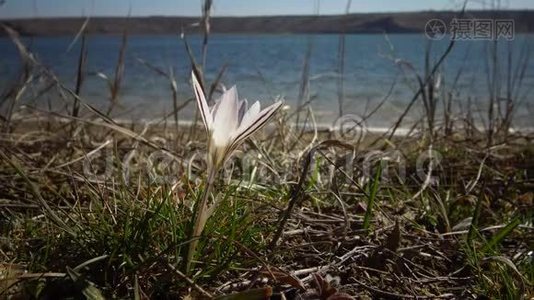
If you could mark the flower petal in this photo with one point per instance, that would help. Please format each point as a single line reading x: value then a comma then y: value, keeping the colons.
x: 213, y: 109
x: 249, y: 116
x: 225, y: 120
x: 242, y: 110
x: 202, y: 103
x: 257, y: 121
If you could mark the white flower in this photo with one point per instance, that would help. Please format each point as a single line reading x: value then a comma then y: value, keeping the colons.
x: 228, y: 122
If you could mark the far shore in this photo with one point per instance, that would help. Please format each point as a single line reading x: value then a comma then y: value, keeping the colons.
x: 380, y: 23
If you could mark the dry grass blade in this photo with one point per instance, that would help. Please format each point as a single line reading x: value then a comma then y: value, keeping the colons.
x: 197, y: 70
x: 295, y: 196
x: 79, y: 34
x: 15, y: 38
x: 506, y: 261
x: 190, y: 282
x: 206, y: 14
x: 80, y: 74
x: 174, y: 89
x: 341, y: 66
x: 37, y: 194
x: 254, y: 294
x: 25, y: 77
x: 119, y: 73
x: 216, y: 82
x: 304, y: 89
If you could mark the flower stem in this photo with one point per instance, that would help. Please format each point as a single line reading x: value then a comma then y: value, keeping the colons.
x: 201, y: 216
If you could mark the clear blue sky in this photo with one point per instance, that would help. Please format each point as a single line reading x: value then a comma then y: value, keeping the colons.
x: 47, y: 8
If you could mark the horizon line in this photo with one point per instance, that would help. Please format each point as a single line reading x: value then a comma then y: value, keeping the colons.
x: 259, y: 16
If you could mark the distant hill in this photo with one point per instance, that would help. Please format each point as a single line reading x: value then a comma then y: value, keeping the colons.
x: 352, y: 23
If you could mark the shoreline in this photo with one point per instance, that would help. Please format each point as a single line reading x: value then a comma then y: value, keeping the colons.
x: 320, y: 127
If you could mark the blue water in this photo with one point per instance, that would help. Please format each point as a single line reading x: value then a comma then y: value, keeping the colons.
x: 265, y: 66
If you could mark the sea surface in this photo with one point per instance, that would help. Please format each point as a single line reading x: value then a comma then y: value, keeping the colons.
x: 377, y: 68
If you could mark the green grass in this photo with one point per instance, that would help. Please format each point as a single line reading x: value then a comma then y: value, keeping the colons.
x: 65, y: 234
x: 134, y: 229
